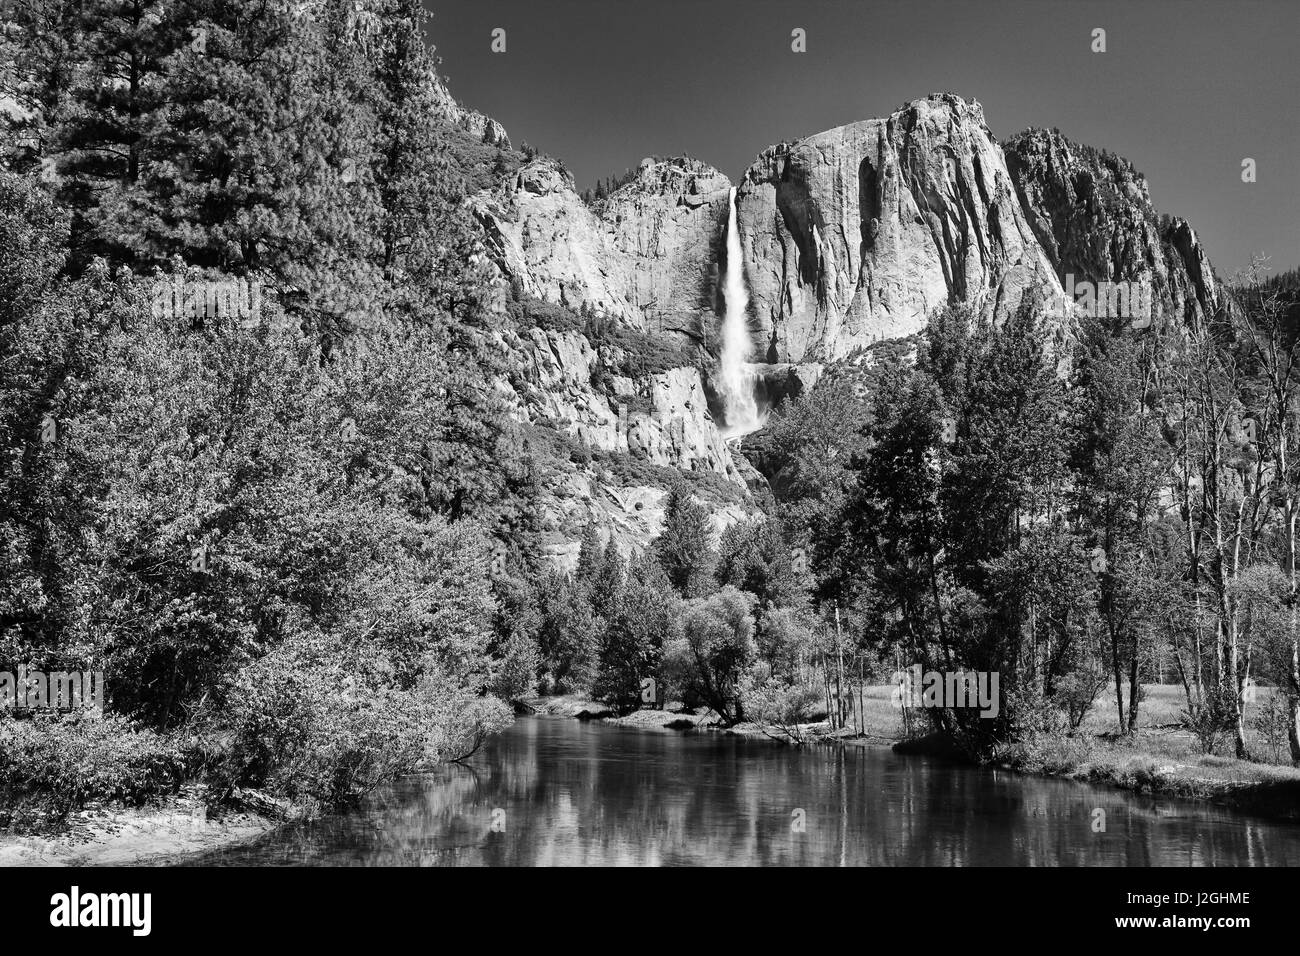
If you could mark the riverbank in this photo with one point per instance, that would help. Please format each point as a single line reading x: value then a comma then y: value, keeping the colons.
x: 116, y: 836
x: 1157, y: 765
x: 1163, y: 759
x: 882, y: 724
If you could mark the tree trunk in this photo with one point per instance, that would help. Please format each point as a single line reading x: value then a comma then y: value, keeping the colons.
x: 1293, y: 698
x: 1293, y: 729
x: 862, y: 707
x: 1115, y: 671
x: 1238, y: 685
x: 826, y: 686
x: 1134, y: 690
x: 839, y: 671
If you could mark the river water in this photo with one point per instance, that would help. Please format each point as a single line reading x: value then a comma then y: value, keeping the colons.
x: 551, y: 791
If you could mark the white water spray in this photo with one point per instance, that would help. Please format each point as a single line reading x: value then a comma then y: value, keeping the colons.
x: 736, y: 384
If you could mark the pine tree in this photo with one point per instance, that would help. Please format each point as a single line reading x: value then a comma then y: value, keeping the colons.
x: 629, y: 673
x: 606, y: 588
x: 38, y: 47
x: 591, y: 555
x: 117, y: 87
x: 683, y: 549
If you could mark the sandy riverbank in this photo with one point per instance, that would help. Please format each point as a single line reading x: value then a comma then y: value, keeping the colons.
x: 106, y: 836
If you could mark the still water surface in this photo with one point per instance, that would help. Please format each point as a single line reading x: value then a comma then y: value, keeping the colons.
x: 576, y: 793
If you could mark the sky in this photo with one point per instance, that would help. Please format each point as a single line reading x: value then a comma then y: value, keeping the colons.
x: 1186, y: 89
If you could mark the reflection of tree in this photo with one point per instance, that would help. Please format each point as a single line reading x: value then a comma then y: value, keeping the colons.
x: 591, y: 794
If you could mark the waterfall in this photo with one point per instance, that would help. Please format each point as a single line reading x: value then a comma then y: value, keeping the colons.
x: 736, y: 381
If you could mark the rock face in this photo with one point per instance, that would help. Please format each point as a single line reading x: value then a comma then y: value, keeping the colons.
x: 662, y: 419
x: 476, y: 124
x: 668, y: 224
x: 648, y: 428
x: 858, y: 233
x: 632, y: 516
x: 542, y: 235
x: 853, y: 235
x: 648, y: 254
x: 1091, y: 213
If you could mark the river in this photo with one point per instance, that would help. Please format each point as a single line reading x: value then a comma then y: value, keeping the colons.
x: 552, y: 791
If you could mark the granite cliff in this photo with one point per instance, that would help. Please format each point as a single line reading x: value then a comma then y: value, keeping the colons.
x: 852, y: 235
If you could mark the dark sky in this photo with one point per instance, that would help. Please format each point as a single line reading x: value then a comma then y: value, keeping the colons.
x: 1186, y: 89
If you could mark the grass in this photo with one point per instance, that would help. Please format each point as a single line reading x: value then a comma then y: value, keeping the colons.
x: 1163, y: 757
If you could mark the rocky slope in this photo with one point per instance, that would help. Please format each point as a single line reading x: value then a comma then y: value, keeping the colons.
x: 1091, y: 213
x: 480, y: 127
x: 624, y: 440
x: 661, y: 418
x: 611, y: 444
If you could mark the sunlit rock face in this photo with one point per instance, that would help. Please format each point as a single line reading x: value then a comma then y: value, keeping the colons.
x: 852, y: 235
x: 663, y: 419
x: 667, y: 226
x: 648, y: 254
x: 544, y: 237
x: 859, y: 233
x: 473, y: 122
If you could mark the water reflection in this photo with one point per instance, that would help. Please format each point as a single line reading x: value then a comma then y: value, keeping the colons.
x: 589, y: 794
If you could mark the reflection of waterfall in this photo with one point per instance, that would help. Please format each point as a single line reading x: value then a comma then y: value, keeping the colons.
x: 736, y: 381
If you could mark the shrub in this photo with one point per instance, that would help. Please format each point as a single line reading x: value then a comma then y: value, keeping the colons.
x: 782, y: 707
x: 1033, y: 713
x: 528, y: 312
x: 1077, y: 692
x: 67, y: 763
x: 641, y: 354
x: 1210, y: 723
x: 1272, y: 722
x: 307, y: 722
x: 482, y: 165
